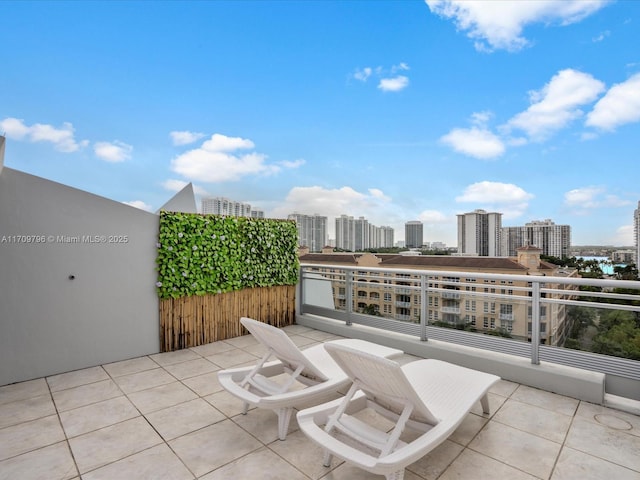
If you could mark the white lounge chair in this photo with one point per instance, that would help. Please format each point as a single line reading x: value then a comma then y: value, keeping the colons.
x: 305, y: 377
x: 429, y: 396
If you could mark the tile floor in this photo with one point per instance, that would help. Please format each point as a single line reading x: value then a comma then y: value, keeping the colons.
x: 165, y: 416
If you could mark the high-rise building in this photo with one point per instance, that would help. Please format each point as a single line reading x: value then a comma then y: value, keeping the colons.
x: 224, y: 206
x: 386, y: 237
x: 312, y: 230
x: 479, y: 233
x: 413, y: 234
x: 357, y: 234
x: 636, y: 234
x: 345, y: 238
x: 554, y: 240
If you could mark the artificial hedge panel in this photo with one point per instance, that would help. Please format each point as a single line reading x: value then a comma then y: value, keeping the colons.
x: 201, y: 254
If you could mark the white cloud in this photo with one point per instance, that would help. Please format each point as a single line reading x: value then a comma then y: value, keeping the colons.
x: 388, y: 78
x: 62, y: 138
x: 623, y: 236
x: 363, y: 74
x: 379, y: 194
x: 222, y: 143
x: 217, y: 160
x: 601, y: 37
x: 175, y: 185
x: 185, y: 137
x: 481, y: 118
x: 591, y: 197
x: 292, y: 163
x: 583, y: 197
x: 498, y: 24
x: 620, y: 105
x: 475, y: 142
x: 400, y: 67
x: 433, y: 217
x: 506, y: 198
x: 556, y: 104
x: 114, y: 152
x: 394, y: 84
x: 139, y: 204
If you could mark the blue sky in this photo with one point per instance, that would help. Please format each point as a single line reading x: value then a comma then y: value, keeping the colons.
x: 391, y: 110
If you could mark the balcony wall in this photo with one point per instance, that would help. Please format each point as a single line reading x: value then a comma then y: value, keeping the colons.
x: 66, y: 302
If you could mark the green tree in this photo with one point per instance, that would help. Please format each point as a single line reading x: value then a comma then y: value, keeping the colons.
x: 618, y: 334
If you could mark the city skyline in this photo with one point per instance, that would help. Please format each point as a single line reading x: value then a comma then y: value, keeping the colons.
x: 393, y: 111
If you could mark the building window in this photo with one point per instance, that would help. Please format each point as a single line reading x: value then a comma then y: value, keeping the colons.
x: 485, y: 322
x: 387, y: 297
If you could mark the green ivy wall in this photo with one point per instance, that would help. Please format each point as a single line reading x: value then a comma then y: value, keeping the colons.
x: 201, y: 254
x: 212, y: 270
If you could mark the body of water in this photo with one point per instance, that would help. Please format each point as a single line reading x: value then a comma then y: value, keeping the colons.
x: 605, y: 265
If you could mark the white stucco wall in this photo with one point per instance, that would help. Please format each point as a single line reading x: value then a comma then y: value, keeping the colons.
x: 50, y: 323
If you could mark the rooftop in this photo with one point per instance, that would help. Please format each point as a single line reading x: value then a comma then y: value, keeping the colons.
x: 165, y: 416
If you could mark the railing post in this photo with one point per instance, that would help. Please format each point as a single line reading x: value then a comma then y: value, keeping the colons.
x: 349, y: 292
x: 423, y: 307
x: 535, y: 323
x: 300, y: 292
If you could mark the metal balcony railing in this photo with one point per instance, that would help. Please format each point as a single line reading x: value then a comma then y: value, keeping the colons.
x: 529, y: 296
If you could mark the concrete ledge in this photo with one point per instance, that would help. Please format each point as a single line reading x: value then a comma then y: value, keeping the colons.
x: 569, y: 381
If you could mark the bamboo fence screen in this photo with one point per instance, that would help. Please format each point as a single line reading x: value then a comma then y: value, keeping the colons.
x: 191, y: 321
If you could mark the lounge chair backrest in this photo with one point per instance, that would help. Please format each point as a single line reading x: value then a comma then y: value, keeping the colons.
x: 282, y: 347
x: 382, y: 380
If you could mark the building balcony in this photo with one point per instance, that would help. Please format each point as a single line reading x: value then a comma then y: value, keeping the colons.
x: 451, y: 295
x: 507, y: 316
x: 165, y: 416
x: 405, y: 291
x: 403, y: 304
x: 449, y: 309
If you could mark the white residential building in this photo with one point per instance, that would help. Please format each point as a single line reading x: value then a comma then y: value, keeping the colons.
x: 312, y: 230
x: 479, y: 233
x: 554, y: 240
x: 357, y: 234
x: 224, y: 206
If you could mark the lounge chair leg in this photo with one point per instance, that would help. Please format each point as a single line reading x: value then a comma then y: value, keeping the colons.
x: 484, y: 401
x: 245, y: 408
x: 284, y: 417
x: 326, y: 461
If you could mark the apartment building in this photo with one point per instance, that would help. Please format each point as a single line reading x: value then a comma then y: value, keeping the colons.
x: 487, y: 306
x: 312, y: 230
x: 225, y: 206
x: 623, y: 256
x: 479, y: 233
x: 413, y: 234
x: 357, y: 234
x: 554, y: 240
